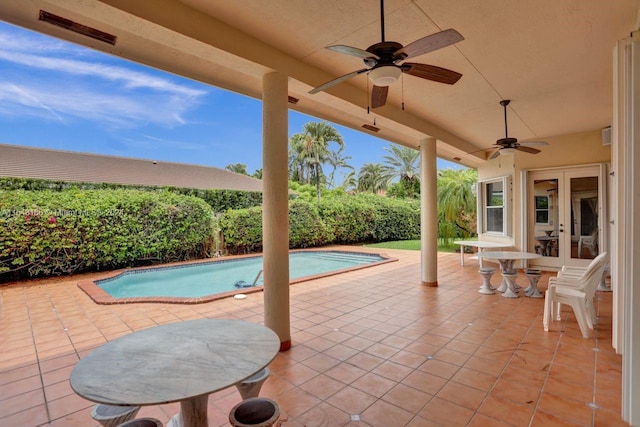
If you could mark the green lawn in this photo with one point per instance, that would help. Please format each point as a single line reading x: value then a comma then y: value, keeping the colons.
x: 413, y: 245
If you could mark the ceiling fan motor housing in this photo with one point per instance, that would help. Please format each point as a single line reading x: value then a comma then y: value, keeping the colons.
x: 385, y: 51
x: 507, y: 142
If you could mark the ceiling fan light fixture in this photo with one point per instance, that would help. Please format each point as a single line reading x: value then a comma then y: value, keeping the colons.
x: 507, y: 150
x: 385, y: 75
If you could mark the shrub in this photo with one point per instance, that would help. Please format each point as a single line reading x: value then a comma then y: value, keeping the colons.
x: 306, y: 228
x: 397, y: 219
x: 242, y: 230
x: 59, y: 232
x: 352, y: 218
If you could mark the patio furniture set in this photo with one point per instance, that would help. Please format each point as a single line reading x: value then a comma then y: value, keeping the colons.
x: 573, y: 286
x: 180, y: 362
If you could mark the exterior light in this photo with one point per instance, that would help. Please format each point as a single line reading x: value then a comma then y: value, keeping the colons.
x: 385, y: 75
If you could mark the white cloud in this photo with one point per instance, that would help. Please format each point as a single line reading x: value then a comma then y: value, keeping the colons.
x: 112, y: 109
x: 66, y: 80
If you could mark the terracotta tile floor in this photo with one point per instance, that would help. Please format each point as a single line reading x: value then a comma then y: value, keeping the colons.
x: 371, y: 348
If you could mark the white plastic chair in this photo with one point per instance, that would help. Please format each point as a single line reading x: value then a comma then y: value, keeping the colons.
x: 588, y: 242
x: 575, y: 287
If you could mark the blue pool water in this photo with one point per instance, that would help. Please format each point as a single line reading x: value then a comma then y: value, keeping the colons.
x: 199, y: 280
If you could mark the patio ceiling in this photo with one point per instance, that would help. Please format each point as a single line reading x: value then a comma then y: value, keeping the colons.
x: 553, y: 59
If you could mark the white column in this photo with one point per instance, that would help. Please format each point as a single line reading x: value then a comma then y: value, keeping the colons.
x: 428, y: 212
x: 625, y: 274
x: 275, y: 214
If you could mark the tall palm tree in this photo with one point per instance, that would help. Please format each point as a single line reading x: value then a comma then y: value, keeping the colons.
x: 312, y: 148
x: 240, y: 168
x: 403, y: 163
x: 372, y: 177
x: 456, y: 198
x: 337, y: 160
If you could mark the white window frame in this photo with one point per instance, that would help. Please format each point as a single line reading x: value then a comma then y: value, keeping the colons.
x: 507, y: 206
x: 548, y: 209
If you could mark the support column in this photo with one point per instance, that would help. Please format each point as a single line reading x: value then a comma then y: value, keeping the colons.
x: 428, y: 212
x: 275, y: 212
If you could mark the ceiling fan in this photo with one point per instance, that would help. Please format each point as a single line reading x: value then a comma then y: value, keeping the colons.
x: 508, y: 145
x: 385, y: 64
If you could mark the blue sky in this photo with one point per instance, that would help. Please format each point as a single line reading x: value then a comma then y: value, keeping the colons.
x: 58, y: 95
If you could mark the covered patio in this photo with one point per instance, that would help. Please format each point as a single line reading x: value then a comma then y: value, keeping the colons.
x: 570, y: 69
x: 371, y: 348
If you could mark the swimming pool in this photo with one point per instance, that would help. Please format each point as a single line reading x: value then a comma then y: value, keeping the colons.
x: 205, y: 281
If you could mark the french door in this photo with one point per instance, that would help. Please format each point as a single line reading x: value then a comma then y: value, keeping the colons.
x: 564, y: 215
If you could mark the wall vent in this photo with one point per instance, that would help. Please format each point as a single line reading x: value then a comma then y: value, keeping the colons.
x: 371, y: 128
x: 606, y: 136
x: 293, y: 100
x: 70, y: 25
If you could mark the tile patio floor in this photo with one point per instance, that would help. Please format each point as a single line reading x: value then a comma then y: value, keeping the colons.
x: 371, y: 348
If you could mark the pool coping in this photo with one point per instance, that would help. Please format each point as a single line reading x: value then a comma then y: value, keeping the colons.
x: 100, y: 296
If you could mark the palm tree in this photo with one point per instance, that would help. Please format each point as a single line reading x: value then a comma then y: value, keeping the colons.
x: 403, y: 163
x: 373, y: 177
x: 257, y: 173
x: 456, y: 198
x: 350, y: 182
x: 311, y: 150
x: 240, y: 168
x: 337, y: 160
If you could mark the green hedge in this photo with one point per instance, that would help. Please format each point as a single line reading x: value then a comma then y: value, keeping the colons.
x: 49, y: 232
x: 306, y: 227
x: 352, y: 219
x: 242, y: 230
x: 344, y: 220
x: 219, y: 200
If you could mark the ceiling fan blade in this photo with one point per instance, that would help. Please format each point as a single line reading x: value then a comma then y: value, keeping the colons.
x: 335, y: 81
x: 494, y: 155
x: 527, y: 149
x: 353, y: 51
x: 429, y: 43
x: 431, y: 72
x: 379, y: 96
x: 533, y: 143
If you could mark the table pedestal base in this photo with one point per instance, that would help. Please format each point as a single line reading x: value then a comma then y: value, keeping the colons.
x: 193, y: 413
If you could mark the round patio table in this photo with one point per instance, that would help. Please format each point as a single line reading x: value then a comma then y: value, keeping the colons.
x: 177, y: 362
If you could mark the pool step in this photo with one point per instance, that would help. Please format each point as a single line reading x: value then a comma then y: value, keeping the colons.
x: 346, y: 257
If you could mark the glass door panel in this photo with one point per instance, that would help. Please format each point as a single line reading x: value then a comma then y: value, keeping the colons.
x: 583, y: 193
x: 544, y: 224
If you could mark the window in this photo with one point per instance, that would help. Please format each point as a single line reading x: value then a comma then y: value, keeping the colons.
x: 493, y: 206
x: 542, y: 210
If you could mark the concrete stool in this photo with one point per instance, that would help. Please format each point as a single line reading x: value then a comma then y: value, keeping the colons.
x: 142, y: 422
x: 252, y: 385
x: 112, y: 416
x: 511, y: 289
x: 486, y: 288
x: 255, y: 412
x: 533, y: 274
